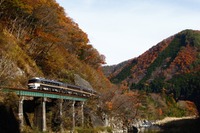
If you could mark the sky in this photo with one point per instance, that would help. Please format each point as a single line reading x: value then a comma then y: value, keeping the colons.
x: 124, y: 29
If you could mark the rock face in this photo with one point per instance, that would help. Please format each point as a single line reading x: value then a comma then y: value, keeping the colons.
x: 138, y: 125
x: 81, y: 82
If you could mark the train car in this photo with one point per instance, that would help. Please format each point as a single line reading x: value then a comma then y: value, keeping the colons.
x: 60, y: 87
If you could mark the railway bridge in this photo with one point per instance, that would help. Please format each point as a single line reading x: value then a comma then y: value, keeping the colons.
x: 41, y: 124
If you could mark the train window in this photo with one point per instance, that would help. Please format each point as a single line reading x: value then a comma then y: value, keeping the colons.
x: 64, y: 85
x: 34, y: 80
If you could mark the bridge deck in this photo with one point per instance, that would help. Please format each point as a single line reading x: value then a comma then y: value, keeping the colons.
x: 37, y: 93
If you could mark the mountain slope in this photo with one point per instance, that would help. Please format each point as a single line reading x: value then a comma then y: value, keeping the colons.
x: 38, y: 39
x: 157, y: 68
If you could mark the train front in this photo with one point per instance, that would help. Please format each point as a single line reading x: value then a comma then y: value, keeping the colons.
x: 34, y: 83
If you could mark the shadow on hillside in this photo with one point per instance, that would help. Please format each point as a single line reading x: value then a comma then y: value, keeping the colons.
x: 182, y: 126
x: 8, y: 122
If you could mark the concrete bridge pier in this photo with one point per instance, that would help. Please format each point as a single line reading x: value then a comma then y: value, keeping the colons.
x: 40, y: 114
x: 82, y: 114
x: 21, y: 113
x: 81, y: 107
x: 73, y: 116
x: 44, y: 123
x: 61, y: 114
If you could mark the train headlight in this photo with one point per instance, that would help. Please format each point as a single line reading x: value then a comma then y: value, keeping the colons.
x: 37, y: 85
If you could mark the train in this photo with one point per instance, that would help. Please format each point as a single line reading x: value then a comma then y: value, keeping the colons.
x: 42, y: 84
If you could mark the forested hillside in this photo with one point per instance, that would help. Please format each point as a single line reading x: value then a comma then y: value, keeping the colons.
x: 173, y: 66
x: 39, y: 39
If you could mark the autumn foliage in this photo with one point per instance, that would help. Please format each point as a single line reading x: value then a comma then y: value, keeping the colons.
x: 172, y: 66
x: 52, y: 40
x: 38, y: 39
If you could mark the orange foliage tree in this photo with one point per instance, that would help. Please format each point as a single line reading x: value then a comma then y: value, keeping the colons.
x: 120, y: 104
